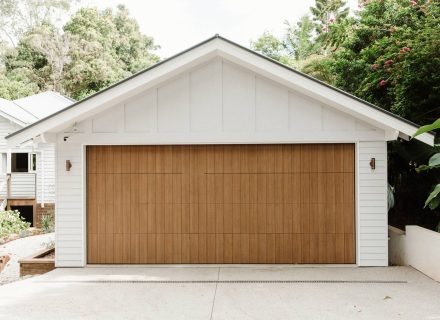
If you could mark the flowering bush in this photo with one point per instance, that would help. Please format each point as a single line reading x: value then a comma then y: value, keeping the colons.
x: 11, y: 222
x: 396, y: 41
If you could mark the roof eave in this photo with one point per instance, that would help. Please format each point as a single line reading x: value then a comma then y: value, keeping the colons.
x: 374, y: 113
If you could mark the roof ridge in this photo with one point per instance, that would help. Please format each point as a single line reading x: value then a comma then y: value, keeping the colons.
x: 27, y: 111
x: 215, y: 37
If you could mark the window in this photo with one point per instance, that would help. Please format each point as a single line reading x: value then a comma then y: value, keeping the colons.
x: 19, y: 162
x: 33, y: 160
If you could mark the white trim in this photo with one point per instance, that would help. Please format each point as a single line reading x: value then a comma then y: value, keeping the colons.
x: 12, y: 119
x: 170, y: 138
x: 236, y: 54
x: 356, y: 199
x: 84, y: 203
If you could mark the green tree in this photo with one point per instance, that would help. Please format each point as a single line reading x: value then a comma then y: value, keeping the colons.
x: 109, y: 47
x: 326, y: 13
x: 16, y: 87
x: 20, y: 16
x: 391, y: 58
x: 299, y: 38
x: 93, y: 50
x: 270, y: 46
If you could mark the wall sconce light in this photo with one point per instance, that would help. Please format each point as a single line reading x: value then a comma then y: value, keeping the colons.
x: 373, y: 163
x: 68, y: 165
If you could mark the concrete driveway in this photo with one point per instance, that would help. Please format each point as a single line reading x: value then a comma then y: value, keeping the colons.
x: 225, y: 292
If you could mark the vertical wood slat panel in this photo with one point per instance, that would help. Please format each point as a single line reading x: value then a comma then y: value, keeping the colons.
x: 221, y: 204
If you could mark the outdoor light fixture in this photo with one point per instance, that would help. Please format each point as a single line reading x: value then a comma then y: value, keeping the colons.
x: 68, y: 165
x: 373, y: 163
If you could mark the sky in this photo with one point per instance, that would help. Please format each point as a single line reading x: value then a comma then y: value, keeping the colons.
x: 179, y: 24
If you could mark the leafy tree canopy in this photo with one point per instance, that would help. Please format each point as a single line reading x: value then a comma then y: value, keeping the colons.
x: 391, y: 58
x: 387, y: 53
x: 94, y: 49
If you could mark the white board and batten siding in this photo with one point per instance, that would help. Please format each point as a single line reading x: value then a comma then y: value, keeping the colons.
x: 219, y: 102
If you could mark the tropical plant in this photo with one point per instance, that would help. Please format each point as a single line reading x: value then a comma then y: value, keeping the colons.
x: 433, y: 200
x: 390, y: 193
x: 326, y: 13
x: 11, y: 222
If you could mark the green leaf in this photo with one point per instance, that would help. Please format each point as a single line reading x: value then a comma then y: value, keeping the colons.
x: 432, y: 195
x: 429, y: 127
x: 390, y: 196
x: 422, y: 167
x: 434, y: 160
x: 434, y: 203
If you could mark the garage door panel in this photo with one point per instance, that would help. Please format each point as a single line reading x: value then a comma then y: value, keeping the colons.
x: 330, y: 249
x: 169, y: 248
x: 296, y: 248
x: 349, y: 248
x: 160, y: 218
x: 331, y: 218
x: 305, y: 218
x: 221, y: 204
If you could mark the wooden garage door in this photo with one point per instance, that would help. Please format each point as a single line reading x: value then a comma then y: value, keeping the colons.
x: 221, y: 204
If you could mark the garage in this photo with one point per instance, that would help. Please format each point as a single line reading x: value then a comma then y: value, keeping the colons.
x: 290, y: 203
x: 219, y: 155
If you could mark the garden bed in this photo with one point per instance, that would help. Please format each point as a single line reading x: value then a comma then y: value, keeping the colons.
x: 41, y: 262
x: 26, y: 233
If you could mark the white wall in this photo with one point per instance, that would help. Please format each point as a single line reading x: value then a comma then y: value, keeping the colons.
x: 231, y: 103
x: 69, y: 217
x: 417, y: 247
x: 23, y: 185
x: 45, y: 173
x: 372, y: 223
x: 6, y: 127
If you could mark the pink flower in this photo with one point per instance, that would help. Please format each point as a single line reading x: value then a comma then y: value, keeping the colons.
x: 325, y: 28
x: 331, y: 20
x: 382, y: 83
x: 407, y: 49
x: 402, y: 51
x: 388, y: 63
x: 374, y: 66
x: 413, y: 3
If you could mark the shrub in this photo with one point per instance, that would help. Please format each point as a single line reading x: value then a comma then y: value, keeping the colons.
x: 47, y: 222
x: 11, y: 222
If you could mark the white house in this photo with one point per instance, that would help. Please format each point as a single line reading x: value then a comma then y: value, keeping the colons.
x: 220, y: 155
x: 27, y: 172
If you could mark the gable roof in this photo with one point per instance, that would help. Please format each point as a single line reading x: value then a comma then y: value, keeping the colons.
x: 25, y: 111
x: 203, y: 51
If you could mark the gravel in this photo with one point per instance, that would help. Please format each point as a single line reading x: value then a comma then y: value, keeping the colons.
x: 18, y: 249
